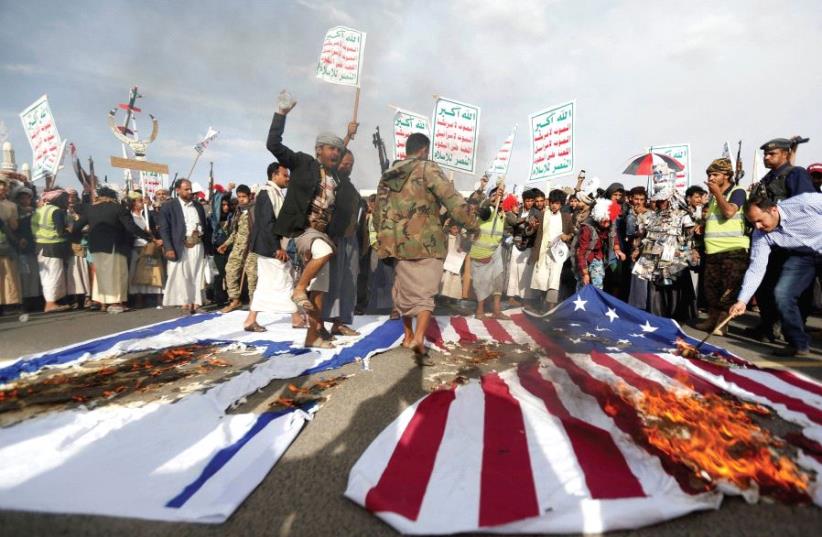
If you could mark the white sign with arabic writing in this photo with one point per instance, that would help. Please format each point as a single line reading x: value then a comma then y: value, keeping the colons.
x: 552, y: 141
x: 405, y: 124
x: 503, y: 159
x: 41, y: 131
x: 151, y: 182
x: 682, y: 153
x: 341, y: 56
x: 456, y: 126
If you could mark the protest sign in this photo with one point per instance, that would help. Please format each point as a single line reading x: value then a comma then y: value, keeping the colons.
x: 552, y: 141
x: 405, y: 124
x: 41, y: 131
x: 341, y: 56
x: 456, y: 126
x: 500, y: 164
x: 152, y: 182
x: 682, y: 153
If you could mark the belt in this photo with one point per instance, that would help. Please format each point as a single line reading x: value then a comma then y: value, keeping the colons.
x: 192, y: 241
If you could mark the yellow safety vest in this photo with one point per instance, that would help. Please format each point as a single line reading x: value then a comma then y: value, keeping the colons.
x: 487, y: 242
x: 724, y: 235
x: 42, y: 226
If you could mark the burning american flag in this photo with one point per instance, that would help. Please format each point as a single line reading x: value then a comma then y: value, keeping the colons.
x: 612, y: 427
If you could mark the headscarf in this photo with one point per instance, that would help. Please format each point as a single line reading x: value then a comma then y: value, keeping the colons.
x: 329, y: 138
x: 50, y: 196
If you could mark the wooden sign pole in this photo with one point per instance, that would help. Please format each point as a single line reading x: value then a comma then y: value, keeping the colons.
x: 356, y: 104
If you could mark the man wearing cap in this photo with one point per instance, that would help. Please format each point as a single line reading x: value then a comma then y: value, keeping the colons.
x: 306, y: 213
x: 782, y: 181
x: 792, y: 224
x: 726, y: 244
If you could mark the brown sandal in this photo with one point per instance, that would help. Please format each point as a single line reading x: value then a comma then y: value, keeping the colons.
x: 254, y: 327
x: 343, y: 330
x: 320, y: 343
x: 300, y: 299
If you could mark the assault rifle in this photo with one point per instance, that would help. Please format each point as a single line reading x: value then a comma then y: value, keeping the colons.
x: 740, y: 173
x: 376, y: 139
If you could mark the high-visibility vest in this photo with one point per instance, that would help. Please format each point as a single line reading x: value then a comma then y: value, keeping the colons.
x: 42, y: 226
x: 488, y: 241
x: 725, y: 234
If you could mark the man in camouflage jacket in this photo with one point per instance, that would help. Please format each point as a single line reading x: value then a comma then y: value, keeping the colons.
x: 409, y: 229
x: 240, y: 260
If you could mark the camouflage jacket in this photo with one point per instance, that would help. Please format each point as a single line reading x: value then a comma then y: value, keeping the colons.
x: 407, y: 212
x: 238, y: 240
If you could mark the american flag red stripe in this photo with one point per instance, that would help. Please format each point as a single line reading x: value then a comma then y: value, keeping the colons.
x: 554, y: 445
x: 507, y: 489
x: 402, y: 485
x: 607, y: 474
x: 460, y: 324
x: 761, y: 390
x: 497, y: 331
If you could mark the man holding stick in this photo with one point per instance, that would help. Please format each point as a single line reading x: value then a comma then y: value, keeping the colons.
x: 793, y: 225
x: 407, y: 221
x: 306, y: 212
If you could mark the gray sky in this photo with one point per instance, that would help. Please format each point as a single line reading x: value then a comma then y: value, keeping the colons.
x: 643, y: 73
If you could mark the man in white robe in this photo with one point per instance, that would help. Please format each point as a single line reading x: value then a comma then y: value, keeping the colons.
x: 185, y: 235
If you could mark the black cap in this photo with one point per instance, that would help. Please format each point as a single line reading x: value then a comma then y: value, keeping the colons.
x: 776, y: 143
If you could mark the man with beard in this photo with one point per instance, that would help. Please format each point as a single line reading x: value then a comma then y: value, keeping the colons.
x: 306, y: 213
x: 339, y: 305
x: 186, y: 239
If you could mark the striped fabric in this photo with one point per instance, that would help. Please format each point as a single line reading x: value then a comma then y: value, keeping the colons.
x: 547, y: 447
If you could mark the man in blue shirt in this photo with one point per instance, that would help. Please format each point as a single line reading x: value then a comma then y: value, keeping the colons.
x: 794, y: 225
x: 783, y: 181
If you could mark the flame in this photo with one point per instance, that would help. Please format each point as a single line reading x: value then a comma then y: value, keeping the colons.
x: 717, y: 440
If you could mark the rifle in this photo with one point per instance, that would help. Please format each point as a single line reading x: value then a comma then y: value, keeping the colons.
x: 210, y: 181
x: 376, y: 139
x: 740, y: 173
x: 795, y: 141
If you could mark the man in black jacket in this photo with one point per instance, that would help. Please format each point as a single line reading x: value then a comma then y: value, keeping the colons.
x: 111, y: 234
x: 275, y: 281
x: 306, y: 212
x: 186, y: 238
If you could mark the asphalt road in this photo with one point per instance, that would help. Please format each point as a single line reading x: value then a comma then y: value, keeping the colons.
x: 302, y: 495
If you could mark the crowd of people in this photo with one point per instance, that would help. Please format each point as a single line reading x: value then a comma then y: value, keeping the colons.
x: 307, y: 243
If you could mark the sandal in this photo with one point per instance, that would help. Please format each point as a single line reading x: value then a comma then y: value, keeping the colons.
x: 500, y: 317
x: 325, y: 334
x: 254, y: 327
x: 320, y: 343
x: 300, y: 299
x: 343, y: 330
